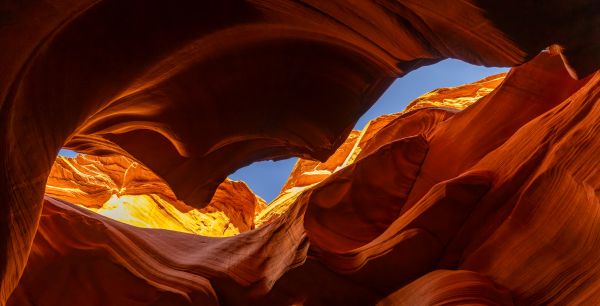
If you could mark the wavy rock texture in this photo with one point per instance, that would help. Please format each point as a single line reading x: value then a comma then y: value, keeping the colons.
x: 196, y: 89
x: 492, y: 228
x: 441, y: 103
x: 447, y: 287
x: 126, y: 191
x: 459, y: 97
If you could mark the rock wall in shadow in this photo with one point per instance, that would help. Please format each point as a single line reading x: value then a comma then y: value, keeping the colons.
x: 196, y: 89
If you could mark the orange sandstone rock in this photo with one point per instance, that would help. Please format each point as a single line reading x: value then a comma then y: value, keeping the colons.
x: 196, y: 89
x: 450, y: 287
x: 477, y: 236
x: 124, y: 190
x: 440, y: 105
x: 459, y: 97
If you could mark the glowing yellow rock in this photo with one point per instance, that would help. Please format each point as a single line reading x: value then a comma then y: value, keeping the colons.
x: 126, y: 191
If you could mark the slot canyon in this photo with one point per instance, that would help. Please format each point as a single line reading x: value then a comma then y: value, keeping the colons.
x: 486, y: 193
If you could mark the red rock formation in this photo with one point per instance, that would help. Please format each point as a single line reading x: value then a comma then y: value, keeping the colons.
x: 441, y: 103
x: 307, y: 172
x: 196, y: 89
x: 450, y: 287
x: 362, y: 233
x: 127, y: 191
x: 446, y: 100
x: 459, y: 97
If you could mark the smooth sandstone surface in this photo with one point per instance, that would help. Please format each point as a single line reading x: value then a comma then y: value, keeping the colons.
x: 480, y: 236
x: 124, y: 190
x: 507, y: 188
x: 440, y: 105
x: 447, y: 101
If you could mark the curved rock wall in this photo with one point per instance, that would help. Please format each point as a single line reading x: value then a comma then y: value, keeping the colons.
x: 124, y: 190
x: 197, y: 89
x: 506, y: 227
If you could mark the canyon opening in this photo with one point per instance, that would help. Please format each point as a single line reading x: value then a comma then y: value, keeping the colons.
x: 425, y: 153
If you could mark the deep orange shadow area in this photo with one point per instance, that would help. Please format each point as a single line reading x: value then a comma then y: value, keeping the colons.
x: 484, y: 193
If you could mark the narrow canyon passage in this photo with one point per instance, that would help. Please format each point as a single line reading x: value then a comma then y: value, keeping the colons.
x: 486, y: 193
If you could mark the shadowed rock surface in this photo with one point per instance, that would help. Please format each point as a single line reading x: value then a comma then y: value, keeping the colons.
x: 482, y: 230
x: 506, y: 189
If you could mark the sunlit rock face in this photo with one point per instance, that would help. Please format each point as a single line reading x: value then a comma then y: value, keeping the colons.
x: 416, y: 218
x: 124, y: 190
x: 193, y: 90
x: 441, y: 103
x: 459, y: 97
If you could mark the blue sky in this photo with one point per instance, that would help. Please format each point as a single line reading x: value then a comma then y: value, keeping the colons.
x: 267, y: 177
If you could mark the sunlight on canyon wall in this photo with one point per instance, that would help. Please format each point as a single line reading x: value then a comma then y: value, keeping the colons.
x: 124, y: 190
x: 494, y: 202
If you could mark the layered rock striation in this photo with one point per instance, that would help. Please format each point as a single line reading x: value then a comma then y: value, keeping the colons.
x: 193, y: 90
x: 125, y: 190
x: 441, y: 104
x: 394, y: 227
